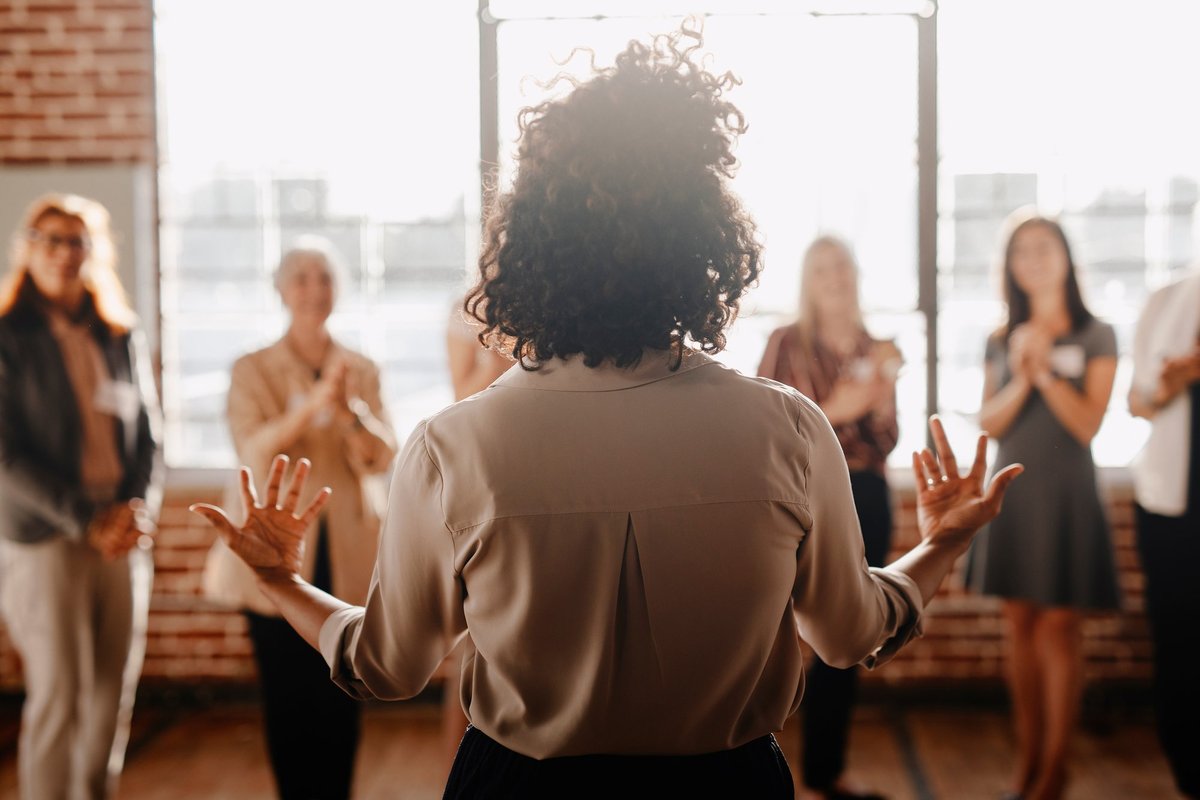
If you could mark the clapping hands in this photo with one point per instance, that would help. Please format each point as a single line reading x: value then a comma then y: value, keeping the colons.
x: 117, y: 528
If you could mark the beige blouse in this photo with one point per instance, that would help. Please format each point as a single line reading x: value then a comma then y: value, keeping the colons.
x: 263, y: 386
x: 635, y: 553
x: 100, y: 467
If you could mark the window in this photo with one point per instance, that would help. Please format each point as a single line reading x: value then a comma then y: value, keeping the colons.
x: 358, y: 123
x: 1105, y: 138
x: 830, y: 148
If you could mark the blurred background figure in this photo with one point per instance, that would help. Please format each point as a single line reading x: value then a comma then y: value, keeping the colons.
x: 309, y: 396
x: 472, y: 366
x: 79, y: 493
x: 1166, y: 391
x: 1048, y: 378
x: 830, y: 357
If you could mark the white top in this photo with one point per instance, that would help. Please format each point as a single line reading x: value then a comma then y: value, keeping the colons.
x: 635, y: 554
x: 1167, y: 328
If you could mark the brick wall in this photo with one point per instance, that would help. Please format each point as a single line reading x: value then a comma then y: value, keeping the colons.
x: 192, y: 640
x: 76, y: 81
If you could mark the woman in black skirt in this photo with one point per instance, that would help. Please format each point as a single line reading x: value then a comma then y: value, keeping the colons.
x: 634, y: 536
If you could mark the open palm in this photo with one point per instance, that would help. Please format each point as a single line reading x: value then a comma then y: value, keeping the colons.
x: 951, y: 507
x: 271, y: 540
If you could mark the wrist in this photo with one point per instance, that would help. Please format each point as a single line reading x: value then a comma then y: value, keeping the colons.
x: 276, y: 577
x: 951, y: 542
x: 1042, y: 379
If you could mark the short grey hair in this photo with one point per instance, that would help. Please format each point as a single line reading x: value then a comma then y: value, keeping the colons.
x: 311, y: 246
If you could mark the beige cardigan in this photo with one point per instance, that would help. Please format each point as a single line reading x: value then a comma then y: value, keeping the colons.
x: 263, y: 385
x: 635, y: 554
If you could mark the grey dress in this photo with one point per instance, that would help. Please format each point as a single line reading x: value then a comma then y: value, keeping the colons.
x: 1050, y: 545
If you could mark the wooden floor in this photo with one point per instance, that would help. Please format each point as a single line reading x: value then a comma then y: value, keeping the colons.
x: 909, y: 753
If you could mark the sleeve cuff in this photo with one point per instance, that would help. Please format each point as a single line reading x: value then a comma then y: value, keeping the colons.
x: 333, y: 634
x: 912, y: 626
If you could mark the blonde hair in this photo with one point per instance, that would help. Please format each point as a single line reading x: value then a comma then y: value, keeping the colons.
x: 807, y: 320
x: 99, y: 273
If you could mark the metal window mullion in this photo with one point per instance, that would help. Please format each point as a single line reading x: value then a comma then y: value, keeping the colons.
x: 927, y: 201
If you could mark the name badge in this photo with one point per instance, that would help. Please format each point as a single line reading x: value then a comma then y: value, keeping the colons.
x: 120, y: 399
x: 1068, y: 360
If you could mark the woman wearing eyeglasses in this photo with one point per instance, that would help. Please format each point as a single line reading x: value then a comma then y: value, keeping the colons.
x: 79, y: 492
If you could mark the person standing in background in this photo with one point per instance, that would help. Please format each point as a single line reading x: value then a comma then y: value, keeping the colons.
x: 472, y: 366
x: 80, y: 488
x: 830, y: 357
x: 1048, y: 378
x: 1166, y: 391
x: 307, y: 395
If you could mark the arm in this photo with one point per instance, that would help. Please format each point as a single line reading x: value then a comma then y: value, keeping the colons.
x: 1175, y: 378
x: 24, y: 481
x: 271, y: 542
x: 881, y: 424
x: 851, y: 613
x: 413, y: 616
x: 371, y: 443
x: 1001, y: 406
x: 1080, y: 412
x: 472, y: 368
x: 769, y: 366
x: 145, y: 480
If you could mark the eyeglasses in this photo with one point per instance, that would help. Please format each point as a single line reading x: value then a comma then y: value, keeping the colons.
x: 52, y: 241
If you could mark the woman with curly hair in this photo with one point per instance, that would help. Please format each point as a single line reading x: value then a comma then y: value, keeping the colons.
x: 631, y: 537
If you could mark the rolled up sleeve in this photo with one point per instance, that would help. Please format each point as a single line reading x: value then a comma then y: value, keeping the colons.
x: 848, y: 612
x: 413, y: 616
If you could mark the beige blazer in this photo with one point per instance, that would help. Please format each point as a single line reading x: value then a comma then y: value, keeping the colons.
x: 263, y: 385
x: 635, y: 553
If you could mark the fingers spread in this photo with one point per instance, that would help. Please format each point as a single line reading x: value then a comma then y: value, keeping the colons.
x: 274, y: 479
x: 1000, y: 483
x: 216, y: 516
x: 249, y: 496
x: 918, y: 473
x: 315, y: 506
x: 944, y: 451
x: 979, y: 468
x: 299, y: 476
x: 933, y: 473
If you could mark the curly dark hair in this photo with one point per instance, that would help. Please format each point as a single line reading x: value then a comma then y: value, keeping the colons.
x: 620, y: 233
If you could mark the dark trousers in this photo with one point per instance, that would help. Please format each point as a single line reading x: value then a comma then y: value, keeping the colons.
x: 484, y: 769
x: 312, y: 726
x: 829, y: 692
x: 1170, y: 551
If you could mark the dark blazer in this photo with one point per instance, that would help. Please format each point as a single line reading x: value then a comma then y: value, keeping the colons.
x: 40, y: 431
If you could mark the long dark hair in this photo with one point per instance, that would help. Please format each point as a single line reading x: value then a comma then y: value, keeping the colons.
x: 1017, y: 300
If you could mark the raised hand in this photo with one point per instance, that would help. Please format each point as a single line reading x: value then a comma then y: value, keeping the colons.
x: 271, y: 541
x: 950, y: 507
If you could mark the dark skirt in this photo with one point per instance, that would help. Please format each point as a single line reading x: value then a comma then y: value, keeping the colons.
x: 484, y: 769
